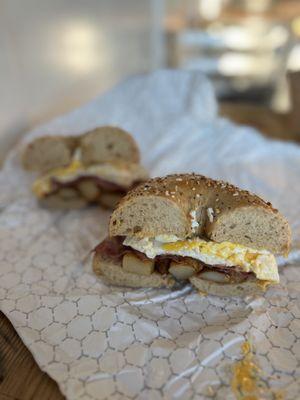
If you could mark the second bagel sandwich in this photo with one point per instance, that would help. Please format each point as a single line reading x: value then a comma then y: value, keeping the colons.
x: 192, y: 228
x: 99, y: 166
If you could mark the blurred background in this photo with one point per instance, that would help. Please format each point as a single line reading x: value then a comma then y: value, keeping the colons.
x: 57, y: 54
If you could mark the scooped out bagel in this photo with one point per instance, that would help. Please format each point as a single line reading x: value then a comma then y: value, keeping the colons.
x: 192, y: 228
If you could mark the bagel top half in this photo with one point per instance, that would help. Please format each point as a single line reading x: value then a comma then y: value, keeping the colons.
x: 100, y: 145
x: 190, y: 205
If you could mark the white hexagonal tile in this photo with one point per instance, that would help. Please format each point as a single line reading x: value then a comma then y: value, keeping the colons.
x: 152, y: 311
x: 130, y: 381
x: 43, y: 353
x: 191, y: 322
x: 53, y: 274
x: 296, y: 349
x: 94, y: 344
x: 18, y: 318
x: 60, y: 285
x: 3, y: 294
x: 104, y: 318
x: 100, y: 389
x: 83, y: 368
x: 212, y: 332
x: 170, y: 328
x: 158, y: 373
x: 174, y: 309
x: 42, y: 260
x: 137, y: 354
x: 280, y: 300
x: 189, y: 340
x: 150, y: 394
x: 58, y: 371
x: 196, y: 304
x: 29, y: 334
x: 79, y: 327
x: 39, y: 319
x: 18, y: 291
x: 65, y: 312
x: 8, y: 304
x: 88, y: 304
x: 231, y: 344
x: 282, y: 359
x: 261, y: 321
x: 112, y: 362
x: 128, y: 315
x: 205, y: 380
x: 10, y: 280
x: 71, y: 348
x: 294, y: 327
x: 279, y: 316
x: 181, y: 360
x: 27, y: 304
x: 119, y: 396
x: 215, y: 316
x: 113, y: 299
x: 178, y: 388
x: 120, y: 336
x: 260, y: 341
x: 281, y: 337
x: 162, y: 347
x: 264, y: 364
x: 294, y: 309
x: 6, y: 267
x: 65, y: 258
x: 145, y: 331
x: 54, y: 333
x: 41, y: 287
x: 50, y: 301
x: 209, y: 353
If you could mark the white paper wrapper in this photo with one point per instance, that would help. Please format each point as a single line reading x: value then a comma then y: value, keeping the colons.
x: 103, y: 342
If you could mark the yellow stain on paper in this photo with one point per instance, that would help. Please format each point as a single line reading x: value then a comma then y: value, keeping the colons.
x: 247, y: 383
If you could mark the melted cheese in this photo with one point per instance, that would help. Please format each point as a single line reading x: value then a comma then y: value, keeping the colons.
x: 123, y: 174
x: 261, y: 262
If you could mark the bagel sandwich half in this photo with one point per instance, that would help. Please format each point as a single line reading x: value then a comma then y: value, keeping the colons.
x: 184, y: 228
x: 99, y: 166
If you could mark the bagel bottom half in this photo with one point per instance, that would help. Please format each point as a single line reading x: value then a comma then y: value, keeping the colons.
x: 249, y: 287
x: 114, y: 274
x: 57, y: 202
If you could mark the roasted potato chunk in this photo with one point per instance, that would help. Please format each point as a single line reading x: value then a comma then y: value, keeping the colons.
x: 133, y: 264
x: 185, y: 269
x: 89, y: 190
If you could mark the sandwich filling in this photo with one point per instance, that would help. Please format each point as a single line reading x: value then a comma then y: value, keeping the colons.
x: 224, y: 262
x: 114, y: 176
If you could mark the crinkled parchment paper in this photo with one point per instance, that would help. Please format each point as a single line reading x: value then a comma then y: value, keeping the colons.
x: 102, y: 342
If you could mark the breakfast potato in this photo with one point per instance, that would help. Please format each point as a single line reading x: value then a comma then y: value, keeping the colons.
x: 133, y: 264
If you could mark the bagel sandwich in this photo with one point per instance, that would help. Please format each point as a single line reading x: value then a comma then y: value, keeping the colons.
x: 190, y: 228
x: 99, y: 166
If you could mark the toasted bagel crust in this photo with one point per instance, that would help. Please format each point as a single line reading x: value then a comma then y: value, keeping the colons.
x: 222, y: 212
x: 250, y: 287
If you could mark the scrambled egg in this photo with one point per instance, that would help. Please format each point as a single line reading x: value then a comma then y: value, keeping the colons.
x: 261, y: 262
x: 118, y: 173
